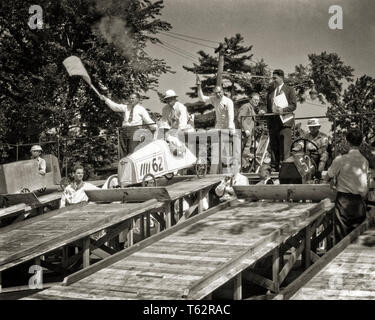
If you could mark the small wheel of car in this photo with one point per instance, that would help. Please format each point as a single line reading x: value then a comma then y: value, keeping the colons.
x: 25, y: 190
x: 149, y: 180
x: 169, y: 176
x: 200, y: 169
x: 115, y: 176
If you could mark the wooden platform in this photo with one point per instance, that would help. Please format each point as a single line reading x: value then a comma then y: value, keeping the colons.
x: 192, y: 259
x: 22, y: 204
x: 349, y: 276
x: 32, y: 238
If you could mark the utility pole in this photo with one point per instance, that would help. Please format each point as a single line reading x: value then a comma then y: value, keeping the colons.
x: 220, y: 67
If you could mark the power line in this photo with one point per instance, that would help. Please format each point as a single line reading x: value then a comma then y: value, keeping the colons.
x: 200, y: 44
x: 176, y: 52
x: 180, y: 50
x: 186, y: 36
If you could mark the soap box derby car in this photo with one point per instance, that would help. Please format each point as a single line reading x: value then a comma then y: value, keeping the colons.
x: 154, y: 160
x: 20, y: 180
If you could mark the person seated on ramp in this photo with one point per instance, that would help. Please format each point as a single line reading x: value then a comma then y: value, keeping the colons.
x: 176, y: 147
x: 36, y: 151
x: 265, y: 175
x: 75, y: 191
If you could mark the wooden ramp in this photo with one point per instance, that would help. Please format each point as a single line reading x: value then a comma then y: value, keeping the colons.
x: 192, y: 259
x: 349, y: 276
x: 32, y: 238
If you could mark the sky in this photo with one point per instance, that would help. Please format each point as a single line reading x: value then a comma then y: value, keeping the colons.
x: 282, y: 32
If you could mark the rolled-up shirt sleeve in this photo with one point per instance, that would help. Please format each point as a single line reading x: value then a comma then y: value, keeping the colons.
x: 334, y: 169
x: 202, y: 97
x: 116, y: 107
x: 147, y: 119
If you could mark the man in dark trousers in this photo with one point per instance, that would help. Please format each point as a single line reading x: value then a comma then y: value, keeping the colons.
x: 350, y: 174
x: 280, y: 130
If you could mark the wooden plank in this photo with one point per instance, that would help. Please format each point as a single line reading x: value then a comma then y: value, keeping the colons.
x: 297, y: 192
x: 27, y: 198
x: 259, y: 280
x: 291, y: 261
x: 238, y: 287
x: 275, y: 269
x: 78, y: 233
x: 308, y: 274
x: 125, y: 253
x: 86, y: 252
x: 134, y: 194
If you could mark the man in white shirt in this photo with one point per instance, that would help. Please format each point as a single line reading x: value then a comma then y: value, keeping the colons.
x: 135, y: 117
x: 36, y: 151
x: 175, y: 114
x: 350, y: 172
x: 75, y: 192
x: 224, y: 108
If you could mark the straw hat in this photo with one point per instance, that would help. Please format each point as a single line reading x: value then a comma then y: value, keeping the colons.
x: 313, y: 123
x: 170, y: 94
x: 36, y: 148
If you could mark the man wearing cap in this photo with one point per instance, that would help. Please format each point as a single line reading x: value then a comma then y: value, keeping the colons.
x: 135, y: 116
x: 280, y: 132
x: 175, y: 113
x: 321, y: 141
x: 223, y: 106
x: 36, y: 151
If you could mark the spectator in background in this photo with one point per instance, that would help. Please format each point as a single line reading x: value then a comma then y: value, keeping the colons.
x: 36, y: 151
x: 135, y: 117
x: 350, y: 174
x: 265, y: 175
x: 247, y: 123
x: 175, y: 114
x: 321, y: 141
x: 75, y: 192
x: 280, y: 131
x: 224, y: 108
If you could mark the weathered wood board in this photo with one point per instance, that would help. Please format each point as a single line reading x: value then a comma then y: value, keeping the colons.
x: 349, y: 276
x: 31, y: 238
x: 196, y: 259
x: 295, y: 192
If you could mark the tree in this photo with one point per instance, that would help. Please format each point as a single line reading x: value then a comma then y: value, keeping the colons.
x: 326, y: 71
x: 40, y: 101
x: 237, y: 59
x: 241, y: 77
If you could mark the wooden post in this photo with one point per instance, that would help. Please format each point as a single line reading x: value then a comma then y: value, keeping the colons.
x: 168, y: 214
x: 142, y: 227
x: 181, y: 208
x: 238, y: 287
x: 86, y: 252
x: 148, y: 225
x: 200, y: 203
x: 1, y: 282
x: 276, y: 269
x: 307, y: 252
x: 130, y: 234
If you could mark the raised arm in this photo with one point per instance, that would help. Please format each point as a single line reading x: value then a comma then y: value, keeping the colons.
x: 116, y: 107
x: 201, y: 96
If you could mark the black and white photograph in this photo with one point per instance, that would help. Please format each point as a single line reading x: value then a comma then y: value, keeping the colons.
x: 187, y: 154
